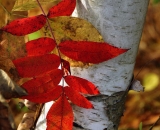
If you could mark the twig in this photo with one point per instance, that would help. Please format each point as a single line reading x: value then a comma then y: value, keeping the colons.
x: 37, y: 114
x: 5, y: 9
x: 155, y: 123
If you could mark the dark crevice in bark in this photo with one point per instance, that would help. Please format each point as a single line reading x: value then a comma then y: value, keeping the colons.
x: 77, y: 126
x: 115, y: 106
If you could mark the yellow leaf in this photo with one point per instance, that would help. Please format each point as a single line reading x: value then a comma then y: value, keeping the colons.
x: 72, y: 28
x: 24, y: 5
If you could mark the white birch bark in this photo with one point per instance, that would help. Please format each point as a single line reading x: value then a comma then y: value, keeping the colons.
x: 120, y: 22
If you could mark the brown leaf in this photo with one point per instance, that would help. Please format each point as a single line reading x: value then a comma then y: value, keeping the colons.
x: 5, y: 117
x: 136, y: 86
x: 27, y: 122
x: 8, y: 89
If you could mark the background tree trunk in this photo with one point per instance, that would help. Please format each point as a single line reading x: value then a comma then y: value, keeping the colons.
x: 120, y: 22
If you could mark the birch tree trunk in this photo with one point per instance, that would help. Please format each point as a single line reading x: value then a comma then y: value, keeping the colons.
x: 120, y: 22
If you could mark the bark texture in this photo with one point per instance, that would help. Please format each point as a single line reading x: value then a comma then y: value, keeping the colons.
x: 120, y: 22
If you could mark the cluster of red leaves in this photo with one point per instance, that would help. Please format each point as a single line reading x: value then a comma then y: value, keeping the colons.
x: 43, y: 67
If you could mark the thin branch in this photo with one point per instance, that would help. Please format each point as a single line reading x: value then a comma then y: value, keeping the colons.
x: 155, y: 123
x: 37, y: 114
x: 49, y: 25
x: 5, y: 9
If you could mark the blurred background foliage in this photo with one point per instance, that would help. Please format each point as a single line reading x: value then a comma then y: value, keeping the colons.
x: 156, y: 1
x: 141, y: 108
x: 145, y: 106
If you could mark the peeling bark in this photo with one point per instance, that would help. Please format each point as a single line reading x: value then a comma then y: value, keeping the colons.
x: 120, y: 22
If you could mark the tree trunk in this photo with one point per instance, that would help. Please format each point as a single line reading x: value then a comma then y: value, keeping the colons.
x: 120, y: 22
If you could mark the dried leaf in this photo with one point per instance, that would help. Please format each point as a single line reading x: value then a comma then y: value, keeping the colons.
x: 5, y: 61
x: 35, y: 65
x: 40, y: 46
x: 71, y: 28
x: 15, y: 47
x: 136, y: 86
x: 8, y: 89
x: 81, y: 85
x: 25, y: 26
x: 77, y: 98
x: 60, y: 115
x: 64, y: 8
x: 89, y: 52
x: 24, y: 5
x: 6, y: 119
x: 27, y: 121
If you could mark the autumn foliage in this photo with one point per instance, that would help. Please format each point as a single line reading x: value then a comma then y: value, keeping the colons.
x: 47, y: 70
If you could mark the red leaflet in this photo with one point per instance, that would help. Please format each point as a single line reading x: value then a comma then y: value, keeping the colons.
x: 43, y: 83
x: 81, y: 85
x: 66, y: 67
x: 50, y: 95
x: 77, y: 98
x: 60, y: 115
x: 40, y: 46
x: 25, y: 26
x: 35, y: 65
x: 64, y: 8
x: 44, y: 88
x: 90, y: 52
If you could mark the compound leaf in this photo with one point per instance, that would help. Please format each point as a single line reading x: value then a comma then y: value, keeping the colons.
x: 75, y: 29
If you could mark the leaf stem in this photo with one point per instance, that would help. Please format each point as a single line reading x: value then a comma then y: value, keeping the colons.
x: 52, y: 34
x: 48, y: 24
x: 5, y: 9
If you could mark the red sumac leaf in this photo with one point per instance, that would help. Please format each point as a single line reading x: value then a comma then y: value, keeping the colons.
x: 64, y: 8
x: 60, y: 115
x: 90, y: 52
x: 81, y: 85
x: 50, y: 95
x: 25, y: 26
x: 76, y: 98
x: 35, y: 65
x: 40, y: 46
x: 43, y: 83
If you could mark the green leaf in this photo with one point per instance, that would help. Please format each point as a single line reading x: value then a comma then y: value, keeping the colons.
x: 34, y: 35
x: 156, y: 1
x: 140, y: 126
